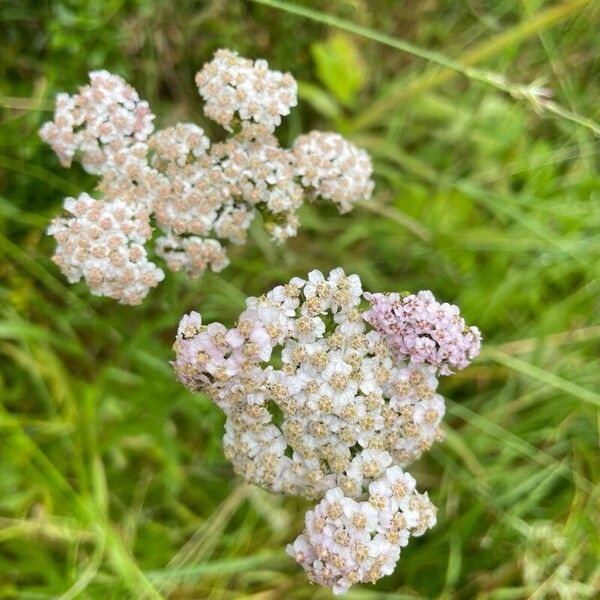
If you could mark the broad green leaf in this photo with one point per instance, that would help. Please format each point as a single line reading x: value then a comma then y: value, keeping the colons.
x: 340, y: 67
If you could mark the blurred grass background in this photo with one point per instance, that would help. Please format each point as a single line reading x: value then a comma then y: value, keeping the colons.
x: 112, y: 479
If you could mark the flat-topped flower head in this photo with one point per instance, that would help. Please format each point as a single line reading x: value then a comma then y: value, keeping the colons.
x: 347, y: 542
x: 341, y: 402
x: 423, y: 330
x: 333, y: 168
x: 103, y: 243
x: 202, y: 196
x: 320, y: 403
x: 104, y: 117
x: 235, y: 86
x: 180, y: 144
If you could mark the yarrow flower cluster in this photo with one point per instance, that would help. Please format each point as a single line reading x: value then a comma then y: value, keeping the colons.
x: 422, y: 330
x: 104, y: 243
x: 201, y: 196
x: 231, y: 84
x: 346, y: 541
x: 103, y: 118
x: 327, y: 164
x: 330, y: 401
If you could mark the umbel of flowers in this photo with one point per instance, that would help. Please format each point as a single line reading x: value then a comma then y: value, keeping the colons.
x: 200, y: 196
x: 330, y: 394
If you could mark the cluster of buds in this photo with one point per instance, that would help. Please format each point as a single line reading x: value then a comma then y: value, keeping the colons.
x: 324, y: 398
x: 200, y: 196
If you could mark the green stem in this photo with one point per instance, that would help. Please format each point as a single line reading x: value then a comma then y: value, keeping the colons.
x: 451, y: 67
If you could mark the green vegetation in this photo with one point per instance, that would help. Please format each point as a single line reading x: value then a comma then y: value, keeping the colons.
x: 112, y: 479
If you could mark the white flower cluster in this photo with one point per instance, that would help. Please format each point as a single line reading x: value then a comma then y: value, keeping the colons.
x: 315, y: 399
x: 103, y: 243
x: 348, y: 541
x: 105, y: 117
x: 231, y: 84
x: 333, y: 168
x: 203, y: 196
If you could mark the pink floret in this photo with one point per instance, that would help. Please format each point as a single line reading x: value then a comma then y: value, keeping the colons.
x: 423, y: 330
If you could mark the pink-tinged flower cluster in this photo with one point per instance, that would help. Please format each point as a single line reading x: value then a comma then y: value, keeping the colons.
x: 231, y: 84
x: 203, y: 196
x: 346, y: 541
x: 423, y: 330
x: 105, y: 117
x: 333, y: 168
x: 317, y: 400
x: 103, y: 244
